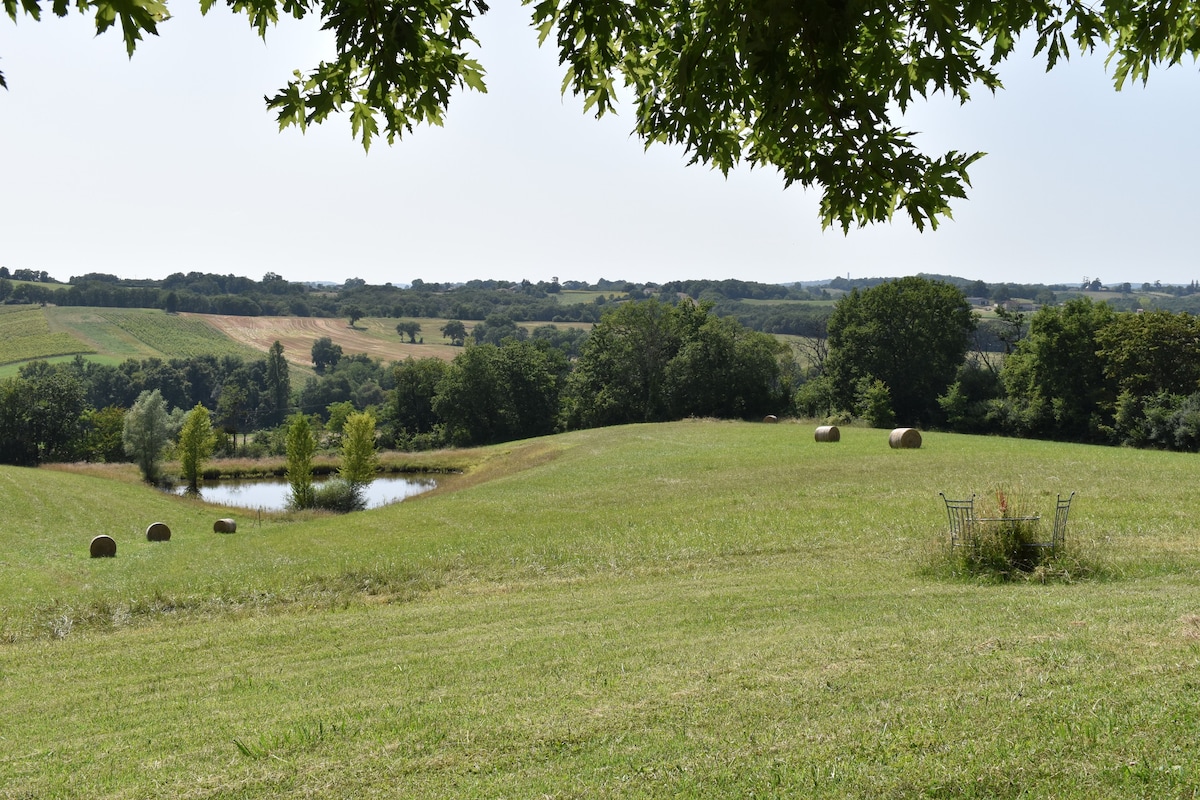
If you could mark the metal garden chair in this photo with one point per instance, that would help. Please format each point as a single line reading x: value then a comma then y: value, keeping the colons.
x: 962, y: 521
x: 1059, y: 534
x: 1061, y: 508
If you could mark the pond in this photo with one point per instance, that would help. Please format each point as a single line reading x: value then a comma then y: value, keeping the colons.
x: 273, y: 494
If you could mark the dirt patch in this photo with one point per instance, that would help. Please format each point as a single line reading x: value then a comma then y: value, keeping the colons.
x: 376, y: 337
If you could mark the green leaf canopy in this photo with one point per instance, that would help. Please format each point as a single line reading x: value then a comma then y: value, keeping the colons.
x: 809, y: 87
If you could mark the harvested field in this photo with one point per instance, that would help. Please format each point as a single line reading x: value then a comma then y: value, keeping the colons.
x: 373, y: 336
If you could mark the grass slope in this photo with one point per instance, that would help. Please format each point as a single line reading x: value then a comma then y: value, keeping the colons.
x: 25, y: 335
x: 693, y: 609
x: 146, y: 333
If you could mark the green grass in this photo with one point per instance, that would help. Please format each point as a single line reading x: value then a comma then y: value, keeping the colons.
x: 695, y: 609
x: 25, y: 335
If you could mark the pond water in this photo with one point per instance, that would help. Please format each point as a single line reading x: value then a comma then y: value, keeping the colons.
x: 273, y: 494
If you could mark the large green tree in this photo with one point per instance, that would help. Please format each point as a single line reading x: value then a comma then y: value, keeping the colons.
x: 1157, y: 351
x: 146, y: 433
x: 1153, y: 360
x: 812, y: 88
x: 196, y: 441
x: 621, y: 375
x: 410, y: 329
x: 325, y: 354
x: 278, y: 382
x: 410, y: 410
x: 455, y: 331
x: 57, y: 408
x: 1055, y: 379
x: 727, y: 371
x: 18, y: 444
x: 912, y: 334
x: 40, y: 414
x: 649, y: 361
x: 493, y: 393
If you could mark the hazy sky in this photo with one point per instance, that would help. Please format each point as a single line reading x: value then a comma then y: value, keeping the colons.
x: 169, y: 162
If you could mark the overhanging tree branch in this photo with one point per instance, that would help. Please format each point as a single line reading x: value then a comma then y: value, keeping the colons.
x: 808, y: 87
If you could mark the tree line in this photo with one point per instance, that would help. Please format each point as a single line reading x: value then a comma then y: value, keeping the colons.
x: 909, y: 352
x: 644, y: 361
x: 904, y: 352
x: 75, y: 410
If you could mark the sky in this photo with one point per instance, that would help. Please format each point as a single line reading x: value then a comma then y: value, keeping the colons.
x: 169, y: 162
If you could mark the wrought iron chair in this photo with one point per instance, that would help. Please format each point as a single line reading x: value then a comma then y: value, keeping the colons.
x: 1061, y: 508
x: 1059, y: 534
x: 962, y: 521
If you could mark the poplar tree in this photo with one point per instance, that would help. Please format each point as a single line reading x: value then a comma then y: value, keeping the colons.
x: 358, y: 449
x: 301, y: 445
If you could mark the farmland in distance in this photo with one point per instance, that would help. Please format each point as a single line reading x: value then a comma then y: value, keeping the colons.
x: 374, y: 336
x: 112, y: 335
x: 25, y: 334
x: 116, y: 334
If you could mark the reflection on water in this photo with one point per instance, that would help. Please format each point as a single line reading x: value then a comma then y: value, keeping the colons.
x: 273, y: 495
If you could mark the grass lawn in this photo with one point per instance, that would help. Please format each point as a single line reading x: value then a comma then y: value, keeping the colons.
x: 695, y: 609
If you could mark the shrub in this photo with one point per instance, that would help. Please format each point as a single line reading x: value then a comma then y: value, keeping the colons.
x: 875, y: 403
x: 814, y: 399
x: 338, y: 495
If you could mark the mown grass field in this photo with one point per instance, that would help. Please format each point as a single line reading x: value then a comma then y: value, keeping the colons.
x: 694, y: 609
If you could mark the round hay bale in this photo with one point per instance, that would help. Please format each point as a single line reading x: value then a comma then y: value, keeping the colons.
x: 103, y: 546
x: 905, y: 439
x: 770, y: 418
x: 158, y: 532
x: 225, y: 526
x: 828, y: 433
